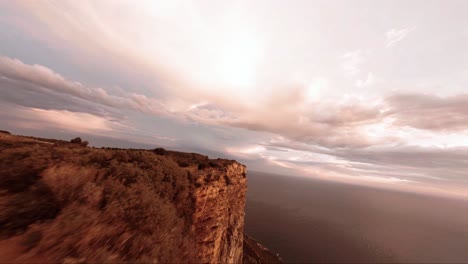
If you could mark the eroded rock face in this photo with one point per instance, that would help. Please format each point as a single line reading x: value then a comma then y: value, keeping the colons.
x: 218, y: 220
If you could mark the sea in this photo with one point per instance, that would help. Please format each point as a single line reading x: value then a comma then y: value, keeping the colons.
x: 307, y: 220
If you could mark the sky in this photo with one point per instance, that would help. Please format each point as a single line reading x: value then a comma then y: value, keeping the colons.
x: 363, y: 92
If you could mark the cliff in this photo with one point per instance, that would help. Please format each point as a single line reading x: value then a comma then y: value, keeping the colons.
x: 218, y: 220
x: 65, y: 202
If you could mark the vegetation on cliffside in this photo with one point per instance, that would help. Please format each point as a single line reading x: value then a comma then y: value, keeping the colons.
x: 66, y: 200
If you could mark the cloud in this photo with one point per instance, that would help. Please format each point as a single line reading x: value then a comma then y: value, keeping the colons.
x: 409, y: 157
x: 40, y: 119
x: 72, y: 121
x: 368, y: 81
x: 396, y: 35
x: 32, y: 84
x: 330, y: 123
x: 403, y: 167
x: 38, y: 98
x: 348, y: 121
x: 351, y: 61
x: 430, y: 112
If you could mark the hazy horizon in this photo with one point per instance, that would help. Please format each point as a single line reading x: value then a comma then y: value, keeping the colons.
x: 102, y: 141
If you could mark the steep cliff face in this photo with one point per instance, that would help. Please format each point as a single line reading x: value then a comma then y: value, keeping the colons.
x: 64, y: 202
x: 218, y: 220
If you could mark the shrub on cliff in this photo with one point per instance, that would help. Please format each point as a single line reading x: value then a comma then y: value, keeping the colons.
x: 78, y: 141
x: 160, y: 151
x: 104, y: 205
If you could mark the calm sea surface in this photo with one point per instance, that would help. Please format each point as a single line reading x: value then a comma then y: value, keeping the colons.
x: 306, y: 220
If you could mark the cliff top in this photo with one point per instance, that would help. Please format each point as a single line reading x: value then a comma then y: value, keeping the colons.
x: 183, y: 159
x: 66, y: 202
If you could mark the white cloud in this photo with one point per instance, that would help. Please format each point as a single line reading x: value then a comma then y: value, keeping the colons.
x: 396, y: 35
x: 40, y: 119
x: 368, y: 81
x: 71, y: 121
x: 351, y: 61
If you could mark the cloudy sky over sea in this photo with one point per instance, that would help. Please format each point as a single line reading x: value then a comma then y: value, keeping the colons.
x: 366, y: 92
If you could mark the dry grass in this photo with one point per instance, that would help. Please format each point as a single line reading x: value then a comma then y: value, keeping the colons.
x: 72, y: 203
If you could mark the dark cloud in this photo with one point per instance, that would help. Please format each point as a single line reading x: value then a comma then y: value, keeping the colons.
x: 414, y: 163
x: 439, y: 163
x: 409, y: 157
x: 30, y: 95
x: 429, y: 112
x: 40, y: 87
